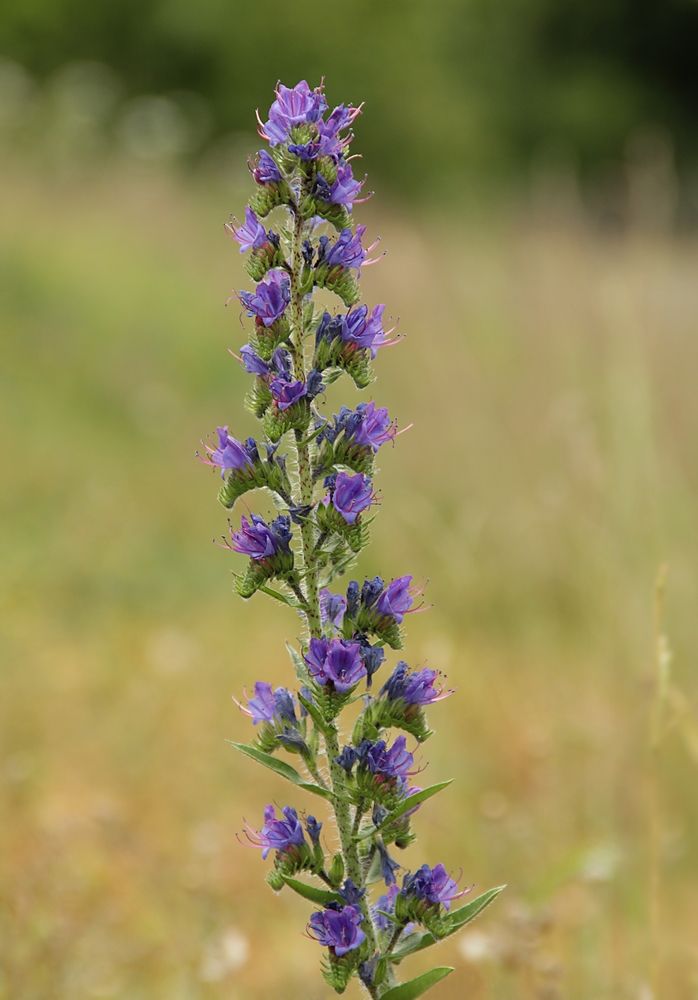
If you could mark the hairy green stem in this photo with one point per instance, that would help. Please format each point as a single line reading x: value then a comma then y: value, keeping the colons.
x: 352, y: 862
x: 305, y: 476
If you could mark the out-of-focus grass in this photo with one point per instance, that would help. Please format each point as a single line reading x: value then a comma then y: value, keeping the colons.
x: 550, y: 375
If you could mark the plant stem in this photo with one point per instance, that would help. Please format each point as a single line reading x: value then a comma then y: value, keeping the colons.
x: 393, y: 940
x: 305, y: 476
x: 357, y: 817
x: 352, y: 862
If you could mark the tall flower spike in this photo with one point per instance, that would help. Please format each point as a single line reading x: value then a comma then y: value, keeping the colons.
x: 319, y: 475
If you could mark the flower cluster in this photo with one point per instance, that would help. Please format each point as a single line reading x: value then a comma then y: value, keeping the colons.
x: 325, y: 501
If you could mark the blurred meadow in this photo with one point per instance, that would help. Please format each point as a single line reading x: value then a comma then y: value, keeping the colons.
x: 549, y: 370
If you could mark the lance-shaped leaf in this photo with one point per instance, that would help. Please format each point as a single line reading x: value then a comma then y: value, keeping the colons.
x: 464, y: 914
x: 316, y: 895
x: 298, y: 664
x: 314, y: 713
x: 282, y: 768
x: 416, y: 987
x: 409, y: 803
x: 452, y: 921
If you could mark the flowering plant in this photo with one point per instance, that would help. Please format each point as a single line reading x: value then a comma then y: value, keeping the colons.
x: 325, y: 496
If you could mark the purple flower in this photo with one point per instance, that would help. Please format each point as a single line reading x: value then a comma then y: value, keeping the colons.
x: 375, y: 429
x: 338, y: 661
x: 357, y: 327
x: 330, y: 142
x: 352, y: 494
x: 313, y: 828
x: 386, y: 904
x: 292, y: 107
x: 315, y: 658
x: 433, y: 885
x: 287, y: 393
x: 277, y: 834
x: 332, y: 608
x: 261, y: 708
x: 396, y: 599
x: 266, y: 170
x: 255, y: 538
x: 346, y: 189
x: 414, y: 688
x: 393, y: 763
x: 252, y: 361
x: 338, y: 929
x: 230, y: 454
x: 270, y: 298
x: 251, y: 234
x: 269, y: 705
x: 347, y: 250
x: 372, y: 656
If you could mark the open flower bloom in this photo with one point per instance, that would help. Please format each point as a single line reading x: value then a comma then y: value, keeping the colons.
x: 364, y: 330
x: 352, y: 494
x: 260, y: 540
x: 270, y: 298
x: 292, y: 107
x: 376, y: 427
x: 414, y: 687
x: 265, y: 170
x: 268, y: 705
x: 251, y: 234
x: 433, y: 885
x: 277, y: 834
x: 338, y: 929
x: 332, y: 608
x: 230, y: 454
x: 337, y: 661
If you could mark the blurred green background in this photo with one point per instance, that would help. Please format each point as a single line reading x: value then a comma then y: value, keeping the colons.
x: 534, y: 166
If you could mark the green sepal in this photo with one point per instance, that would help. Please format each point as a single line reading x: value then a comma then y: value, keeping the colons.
x: 263, y: 259
x: 265, y: 339
x: 383, y: 713
x: 356, y: 535
x: 336, y: 215
x: 334, y: 559
x: 416, y: 987
x: 326, y: 166
x: 278, y: 566
x: 270, y: 196
x: 320, y: 896
x: 282, y: 768
x: 347, y: 357
x: 298, y: 858
x: 258, y: 399
x: 356, y: 457
x: 337, y: 279
x: 276, y: 421
x: 405, y: 806
x: 313, y: 713
x: 450, y: 923
x: 299, y: 665
x: 335, y: 872
x: 384, y: 627
x: 269, y: 474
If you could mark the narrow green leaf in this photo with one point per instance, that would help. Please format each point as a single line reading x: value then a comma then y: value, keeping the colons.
x: 464, y: 914
x: 298, y: 664
x: 311, y: 437
x: 270, y: 592
x: 314, y: 713
x: 282, y: 768
x: 311, y: 892
x: 411, y: 944
x: 415, y: 987
x: 409, y: 803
